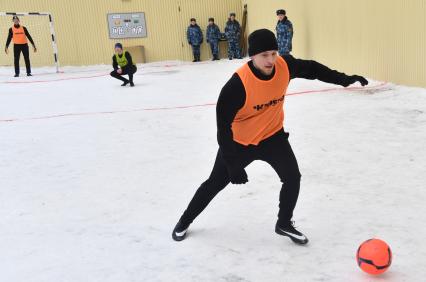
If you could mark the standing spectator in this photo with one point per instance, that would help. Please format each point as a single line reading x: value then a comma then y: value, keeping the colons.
x: 232, y: 32
x: 195, y: 38
x: 284, y: 30
x: 213, y: 36
x: 19, y: 34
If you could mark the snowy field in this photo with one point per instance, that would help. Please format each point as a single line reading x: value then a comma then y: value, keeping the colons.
x: 94, y: 176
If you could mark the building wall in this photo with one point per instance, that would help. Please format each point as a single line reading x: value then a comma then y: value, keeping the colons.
x: 382, y: 39
x: 82, y: 31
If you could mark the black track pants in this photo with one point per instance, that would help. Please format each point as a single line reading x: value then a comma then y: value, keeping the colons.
x: 17, y: 49
x: 277, y: 152
x: 126, y: 70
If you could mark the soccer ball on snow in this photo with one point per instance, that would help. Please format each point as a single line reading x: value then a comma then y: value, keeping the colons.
x: 374, y: 256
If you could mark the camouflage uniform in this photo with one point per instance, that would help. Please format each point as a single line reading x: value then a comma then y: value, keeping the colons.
x: 284, y: 31
x: 232, y: 32
x: 195, y: 38
x: 213, y: 36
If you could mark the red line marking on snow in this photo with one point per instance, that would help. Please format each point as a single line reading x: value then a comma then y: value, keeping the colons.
x: 58, y: 79
x: 337, y: 88
x: 183, y: 107
x: 99, y: 75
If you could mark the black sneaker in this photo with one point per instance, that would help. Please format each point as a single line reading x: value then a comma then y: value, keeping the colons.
x: 125, y: 83
x: 132, y: 84
x: 16, y: 75
x: 28, y: 74
x: 179, y: 233
x: 290, y: 231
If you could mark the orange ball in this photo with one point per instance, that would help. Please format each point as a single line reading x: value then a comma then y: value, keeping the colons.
x: 374, y: 256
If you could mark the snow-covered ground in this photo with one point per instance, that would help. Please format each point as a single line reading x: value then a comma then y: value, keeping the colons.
x: 94, y: 176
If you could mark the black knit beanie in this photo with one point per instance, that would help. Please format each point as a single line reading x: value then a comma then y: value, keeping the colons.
x: 261, y: 40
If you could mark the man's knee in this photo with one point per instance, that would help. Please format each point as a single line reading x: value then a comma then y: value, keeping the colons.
x: 291, y: 176
x: 214, y: 185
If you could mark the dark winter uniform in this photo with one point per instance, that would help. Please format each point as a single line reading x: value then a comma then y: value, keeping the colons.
x: 250, y: 119
x: 195, y: 38
x: 213, y: 35
x: 19, y: 35
x: 125, y: 63
x: 232, y: 32
x: 284, y: 31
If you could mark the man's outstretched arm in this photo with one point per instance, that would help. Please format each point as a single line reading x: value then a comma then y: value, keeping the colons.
x: 309, y: 69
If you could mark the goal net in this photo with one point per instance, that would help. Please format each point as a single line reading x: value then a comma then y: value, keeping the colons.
x: 40, y: 27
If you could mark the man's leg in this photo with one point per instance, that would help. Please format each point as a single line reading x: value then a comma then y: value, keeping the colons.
x: 217, y: 181
x: 194, y: 52
x: 237, y: 50
x: 130, y: 70
x: 230, y: 49
x: 116, y: 75
x: 216, y: 50
x: 278, y: 153
x: 26, y: 53
x: 197, y: 52
x: 16, y: 55
x: 212, y: 49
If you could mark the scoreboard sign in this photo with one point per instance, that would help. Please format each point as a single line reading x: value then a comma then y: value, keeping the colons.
x: 126, y: 25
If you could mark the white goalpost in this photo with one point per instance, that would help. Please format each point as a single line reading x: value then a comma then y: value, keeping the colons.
x: 52, y: 30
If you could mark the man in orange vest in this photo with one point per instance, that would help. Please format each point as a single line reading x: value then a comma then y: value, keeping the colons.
x: 250, y: 118
x: 19, y: 35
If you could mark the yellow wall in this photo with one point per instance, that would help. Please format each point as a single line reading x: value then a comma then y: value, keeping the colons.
x: 82, y: 31
x: 382, y: 39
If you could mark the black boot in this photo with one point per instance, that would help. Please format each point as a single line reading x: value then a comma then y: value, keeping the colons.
x: 179, y: 232
x: 290, y: 231
x: 125, y: 83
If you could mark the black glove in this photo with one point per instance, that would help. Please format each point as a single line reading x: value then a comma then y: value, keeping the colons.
x: 354, y: 78
x: 237, y: 174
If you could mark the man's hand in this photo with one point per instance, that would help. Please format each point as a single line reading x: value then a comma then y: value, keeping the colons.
x: 6, y: 51
x: 355, y: 78
x: 119, y: 71
x: 35, y: 49
x: 237, y: 175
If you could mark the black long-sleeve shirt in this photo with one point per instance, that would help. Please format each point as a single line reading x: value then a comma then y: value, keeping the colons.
x: 10, y: 36
x: 128, y: 57
x: 233, y: 95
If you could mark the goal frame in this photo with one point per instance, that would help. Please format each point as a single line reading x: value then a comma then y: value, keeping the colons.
x: 52, y: 30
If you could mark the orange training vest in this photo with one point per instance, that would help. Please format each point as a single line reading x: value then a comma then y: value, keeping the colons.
x: 263, y: 113
x: 19, y: 36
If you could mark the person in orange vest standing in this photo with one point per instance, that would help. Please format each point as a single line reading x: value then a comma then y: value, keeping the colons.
x: 250, y: 118
x: 20, y: 36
